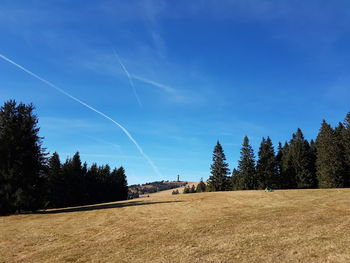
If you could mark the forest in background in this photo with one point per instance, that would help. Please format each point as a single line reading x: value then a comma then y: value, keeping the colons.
x: 30, y: 180
x: 298, y: 163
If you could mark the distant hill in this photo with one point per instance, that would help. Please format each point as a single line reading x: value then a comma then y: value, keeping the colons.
x: 136, y: 190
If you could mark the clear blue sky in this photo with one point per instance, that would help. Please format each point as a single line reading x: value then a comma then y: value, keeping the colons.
x: 202, y: 70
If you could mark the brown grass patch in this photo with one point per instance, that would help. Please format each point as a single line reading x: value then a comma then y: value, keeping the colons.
x: 244, y: 226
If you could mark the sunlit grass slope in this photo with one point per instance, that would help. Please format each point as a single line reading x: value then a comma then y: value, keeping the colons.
x: 244, y: 226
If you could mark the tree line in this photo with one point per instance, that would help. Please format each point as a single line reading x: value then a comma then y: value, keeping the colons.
x: 298, y: 163
x: 73, y: 184
x: 201, y: 187
x: 30, y: 180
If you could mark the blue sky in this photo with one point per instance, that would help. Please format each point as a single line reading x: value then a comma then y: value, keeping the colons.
x: 201, y: 72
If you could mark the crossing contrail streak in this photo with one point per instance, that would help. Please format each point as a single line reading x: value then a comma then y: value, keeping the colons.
x: 154, y: 167
x: 129, y: 77
x: 155, y: 84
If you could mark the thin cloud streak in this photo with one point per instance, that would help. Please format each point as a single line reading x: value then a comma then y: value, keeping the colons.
x: 89, y: 107
x: 129, y: 77
x: 156, y: 84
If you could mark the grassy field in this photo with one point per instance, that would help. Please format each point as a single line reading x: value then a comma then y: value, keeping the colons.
x: 244, y: 226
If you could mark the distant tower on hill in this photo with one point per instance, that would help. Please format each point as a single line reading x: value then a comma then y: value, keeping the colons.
x: 178, y: 178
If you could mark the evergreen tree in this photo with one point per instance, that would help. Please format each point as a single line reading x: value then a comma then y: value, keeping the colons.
x: 106, y: 187
x: 302, y: 161
x: 186, y: 189
x: 340, y: 136
x: 84, y: 168
x: 246, y: 179
x: 236, y: 181
x: 287, y: 177
x: 22, y: 158
x: 218, y: 181
x: 266, y: 168
x: 346, y: 147
x: 193, y: 189
x: 279, y: 157
x: 312, y: 156
x: 93, y: 184
x: 121, y: 183
x: 73, y: 176
x: 330, y: 158
x: 201, y: 187
x: 54, y: 182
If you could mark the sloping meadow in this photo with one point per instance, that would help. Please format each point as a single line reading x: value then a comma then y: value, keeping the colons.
x: 239, y: 226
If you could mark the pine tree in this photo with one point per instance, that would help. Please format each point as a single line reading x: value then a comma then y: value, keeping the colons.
x: 302, y: 161
x: 346, y: 146
x: 279, y: 157
x: 218, y: 181
x: 236, y: 180
x: 201, y: 187
x: 93, y: 184
x: 340, y: 136
x: 22, y: 158
x: 75, y: 186
x: 105, y: 191
x: 266, y: 168
x: 193, y: 189
x: 54, y: 182
x: 313, y: 157
x: 330, y: 161
x: 288, y: 178
x: 186, y: 189
x: 121, y: 183
x: 246, y: 168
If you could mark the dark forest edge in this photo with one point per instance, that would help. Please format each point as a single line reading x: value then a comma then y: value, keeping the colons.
x: 30, y: 180
x: 298, y: 164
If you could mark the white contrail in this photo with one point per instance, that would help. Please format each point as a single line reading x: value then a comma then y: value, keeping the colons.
x: 90, y: 107
x: 156, y: 84
x: 129, y: 77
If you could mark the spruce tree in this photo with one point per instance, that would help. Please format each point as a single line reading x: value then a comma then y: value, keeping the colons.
x: 218, y: 181
x: 330, y: 161
x: 340, y: 136
x: 279, y: 157
x: 92, y: 184
x: 201, y: 187
x: 193, y: 189
x: 302, y: 161
x: 186, y: 189
x: 312, y: 156
x: 346, y: 146
x: 73, y: 176
x: 236, y: 181
x: 105, y: 187
x: 266, y: 168
x: 22, y: 158
x: 122, y: 184
x: 54, y: 182
x: 287, y: 177
x: 246, y: 168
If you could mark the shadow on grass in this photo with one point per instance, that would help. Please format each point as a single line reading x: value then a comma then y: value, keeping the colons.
x: 100, y: 206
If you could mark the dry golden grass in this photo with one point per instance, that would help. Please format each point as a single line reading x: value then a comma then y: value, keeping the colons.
x: 245, y: 226
x: 169, y: 192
